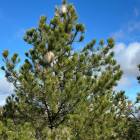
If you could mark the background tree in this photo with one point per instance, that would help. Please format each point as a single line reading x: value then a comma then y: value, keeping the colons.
x: 55, y: 84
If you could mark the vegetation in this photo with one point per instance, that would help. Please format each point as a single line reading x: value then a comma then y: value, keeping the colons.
x: 59, y: 90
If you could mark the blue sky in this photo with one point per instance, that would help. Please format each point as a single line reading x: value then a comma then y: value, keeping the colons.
x: 102, y: 18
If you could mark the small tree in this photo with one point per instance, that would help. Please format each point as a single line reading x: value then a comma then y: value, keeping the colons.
x: 55, y: 84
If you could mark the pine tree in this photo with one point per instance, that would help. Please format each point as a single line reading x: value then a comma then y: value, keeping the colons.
x: 55, y: 84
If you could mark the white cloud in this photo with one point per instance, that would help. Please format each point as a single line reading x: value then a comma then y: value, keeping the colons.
x: 118, y: 34
x: 128, y: 58
x: 119, y: 47
x: 19, y: 34
x: 136, y: 12
x: 6, y: 89
x: 5, y: 86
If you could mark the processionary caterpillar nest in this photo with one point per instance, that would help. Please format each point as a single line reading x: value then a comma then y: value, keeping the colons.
x: 49, y: 57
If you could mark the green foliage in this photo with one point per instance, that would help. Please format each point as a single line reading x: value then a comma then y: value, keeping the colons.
x: 66, y: 98
x: 81, y: 38
x: 25, y: 132
x: 80, y: 27
x: 101, y: 42
x: 5, y: 53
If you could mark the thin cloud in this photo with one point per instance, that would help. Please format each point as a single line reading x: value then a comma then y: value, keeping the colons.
x: 133, y: 25
x: 118, y: 34
x: 126, y: 32
x: 123, y: 35
x: 136, y: 12
x: 19, y: 34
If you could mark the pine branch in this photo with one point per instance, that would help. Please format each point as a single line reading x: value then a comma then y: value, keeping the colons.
x: 73, y: 38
